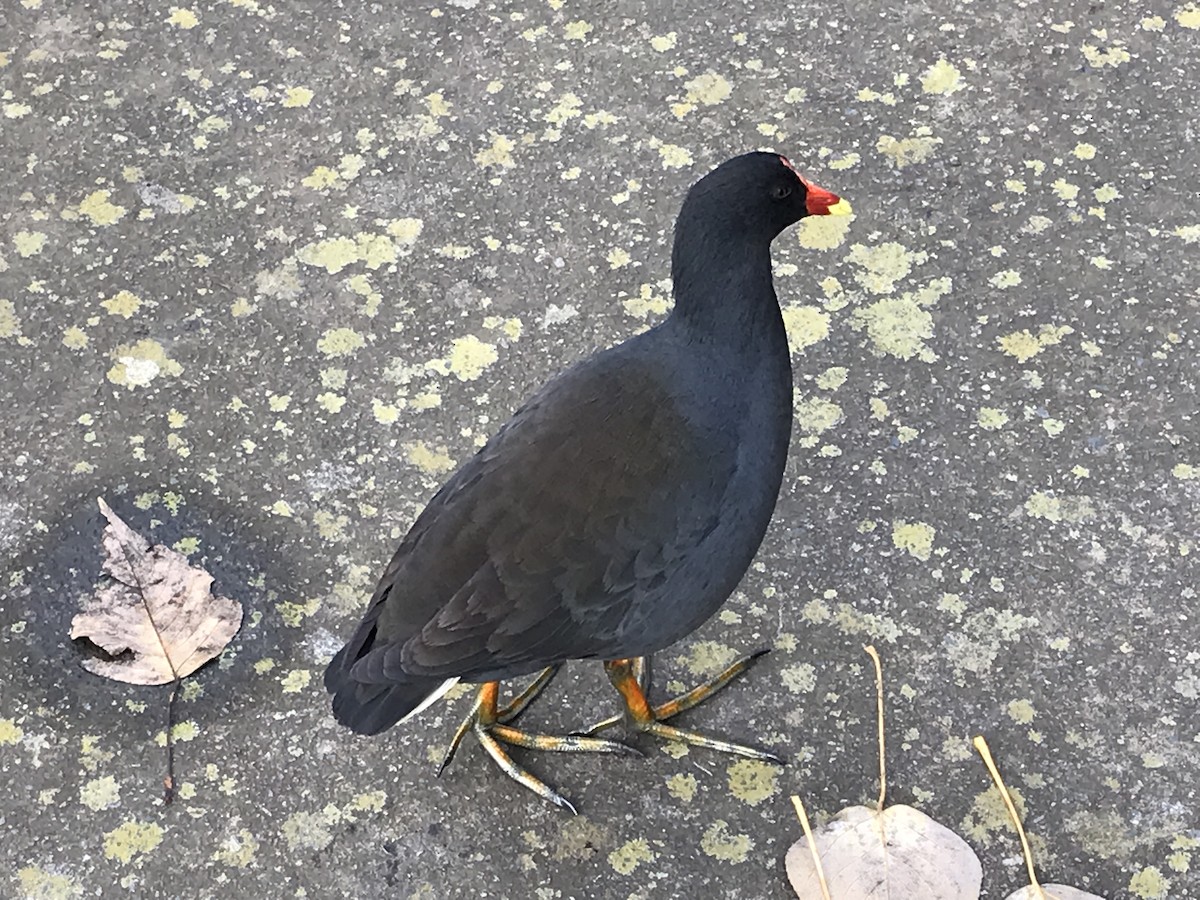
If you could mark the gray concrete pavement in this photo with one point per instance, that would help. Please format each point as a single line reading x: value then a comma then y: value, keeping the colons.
x: 267, y: 270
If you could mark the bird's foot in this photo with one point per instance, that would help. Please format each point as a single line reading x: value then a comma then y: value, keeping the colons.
x: 632, y: 679
x: 490, y: 726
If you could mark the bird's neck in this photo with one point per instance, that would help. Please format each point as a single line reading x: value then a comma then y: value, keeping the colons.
x: 723, y: 288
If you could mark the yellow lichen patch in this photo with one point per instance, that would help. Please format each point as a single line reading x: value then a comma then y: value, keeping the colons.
x: 97, y: 207
x: 335, y: 254
x: 183, y: 18
x: 914, y: 538
x: 295, y: 681
x: 132, y: 839
x: 674, y: 156
x: 720, y: 843
x: 469, y: 357
x: 753, y: 781
x: 707, y: 658
x: 293, y: 613
x: 297, y: 97
x: 881, y: 266
x: 707, y: 89
x: 337, y: 342
x: 1182, y: 471
x: 682, y: 786
x: 139, y: 364
x: 897, y: 327
x: 990, y: 418
x: 368, y: 801
x: 568, y: 107
x: 10, y: 732
x: 799, y: 678
x: 330, y: 402
x: 10, y: 324
x: 100, y: 793
x: 29, y: 243
x: 309, y: 831
x: 1024, y: 345
x: 237, y: 850
x: 618, y: 258
x: 405, y: 231
x: 385, y: 413
x: 1112, y: 56
x: 1149, y: 884
x: 180, y: 731
x: 907, y: 151
x: 630, y: 855
x: 988, y: 814
x: 91, y: 757
x: 498, y: 155
x: 823, y: 232
x: 942, y: 78
x: 1188, y: 15
x: 1021, y: 712
x: 577, y: 30
x: 428, y: 460
x: 816, y: 414
x: 321, y: 178
x: 664, y: 42
x: 806, y: 325
x: 1045, y: 505
x: 1006, y: 279
x: 1064, y: 190
x: 123, y: 303
x: 38, y: 884
x: 833, y: 378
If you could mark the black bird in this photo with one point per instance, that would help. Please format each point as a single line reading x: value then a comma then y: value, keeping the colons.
x: 615, y: 512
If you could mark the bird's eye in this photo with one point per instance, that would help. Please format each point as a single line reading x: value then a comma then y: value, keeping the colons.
x: 781, y: 191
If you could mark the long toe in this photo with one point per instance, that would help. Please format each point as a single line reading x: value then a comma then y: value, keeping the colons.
x: 696, y: 739
x: 521, y: 776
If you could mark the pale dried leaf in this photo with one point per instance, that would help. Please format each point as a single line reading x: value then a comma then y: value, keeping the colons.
x: 900, y: 852
x: 1053, y: 892
x: 157, y: 607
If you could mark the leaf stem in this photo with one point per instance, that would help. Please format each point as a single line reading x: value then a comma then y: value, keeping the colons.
x: 812, y: 846
x: 981, y: 746
x: 879, y: 709
x: 169, y: 781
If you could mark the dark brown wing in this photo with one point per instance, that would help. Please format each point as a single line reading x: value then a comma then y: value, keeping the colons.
x: 537, y: 548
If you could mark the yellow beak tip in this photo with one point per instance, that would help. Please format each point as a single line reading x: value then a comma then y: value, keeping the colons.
x: 841, y: 208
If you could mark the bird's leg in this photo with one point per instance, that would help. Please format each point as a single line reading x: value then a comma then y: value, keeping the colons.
x: 489, y: 725
x: 630, y: 677
x: 641, y: 671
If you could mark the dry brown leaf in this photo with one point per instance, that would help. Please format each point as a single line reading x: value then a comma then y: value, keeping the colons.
x: 900, y: 852
x: 1052, y: 892
x: 157, y: 615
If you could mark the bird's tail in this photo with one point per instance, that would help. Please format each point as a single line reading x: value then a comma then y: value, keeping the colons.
x: 369, y: 708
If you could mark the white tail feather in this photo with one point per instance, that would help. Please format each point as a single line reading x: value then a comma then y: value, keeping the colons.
x: 434, y: 697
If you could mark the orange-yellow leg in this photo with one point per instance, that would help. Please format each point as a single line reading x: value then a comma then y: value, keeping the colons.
x: 489, y: 725
x: 631, y: 679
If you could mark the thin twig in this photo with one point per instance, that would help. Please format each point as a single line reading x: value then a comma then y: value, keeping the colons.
x: 812, y: 847
x: 879, y: 710
x: 981, y: 745
x: 169, y: 781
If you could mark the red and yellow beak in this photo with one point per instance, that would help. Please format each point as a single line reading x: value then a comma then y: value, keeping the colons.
x: 819, y: 201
